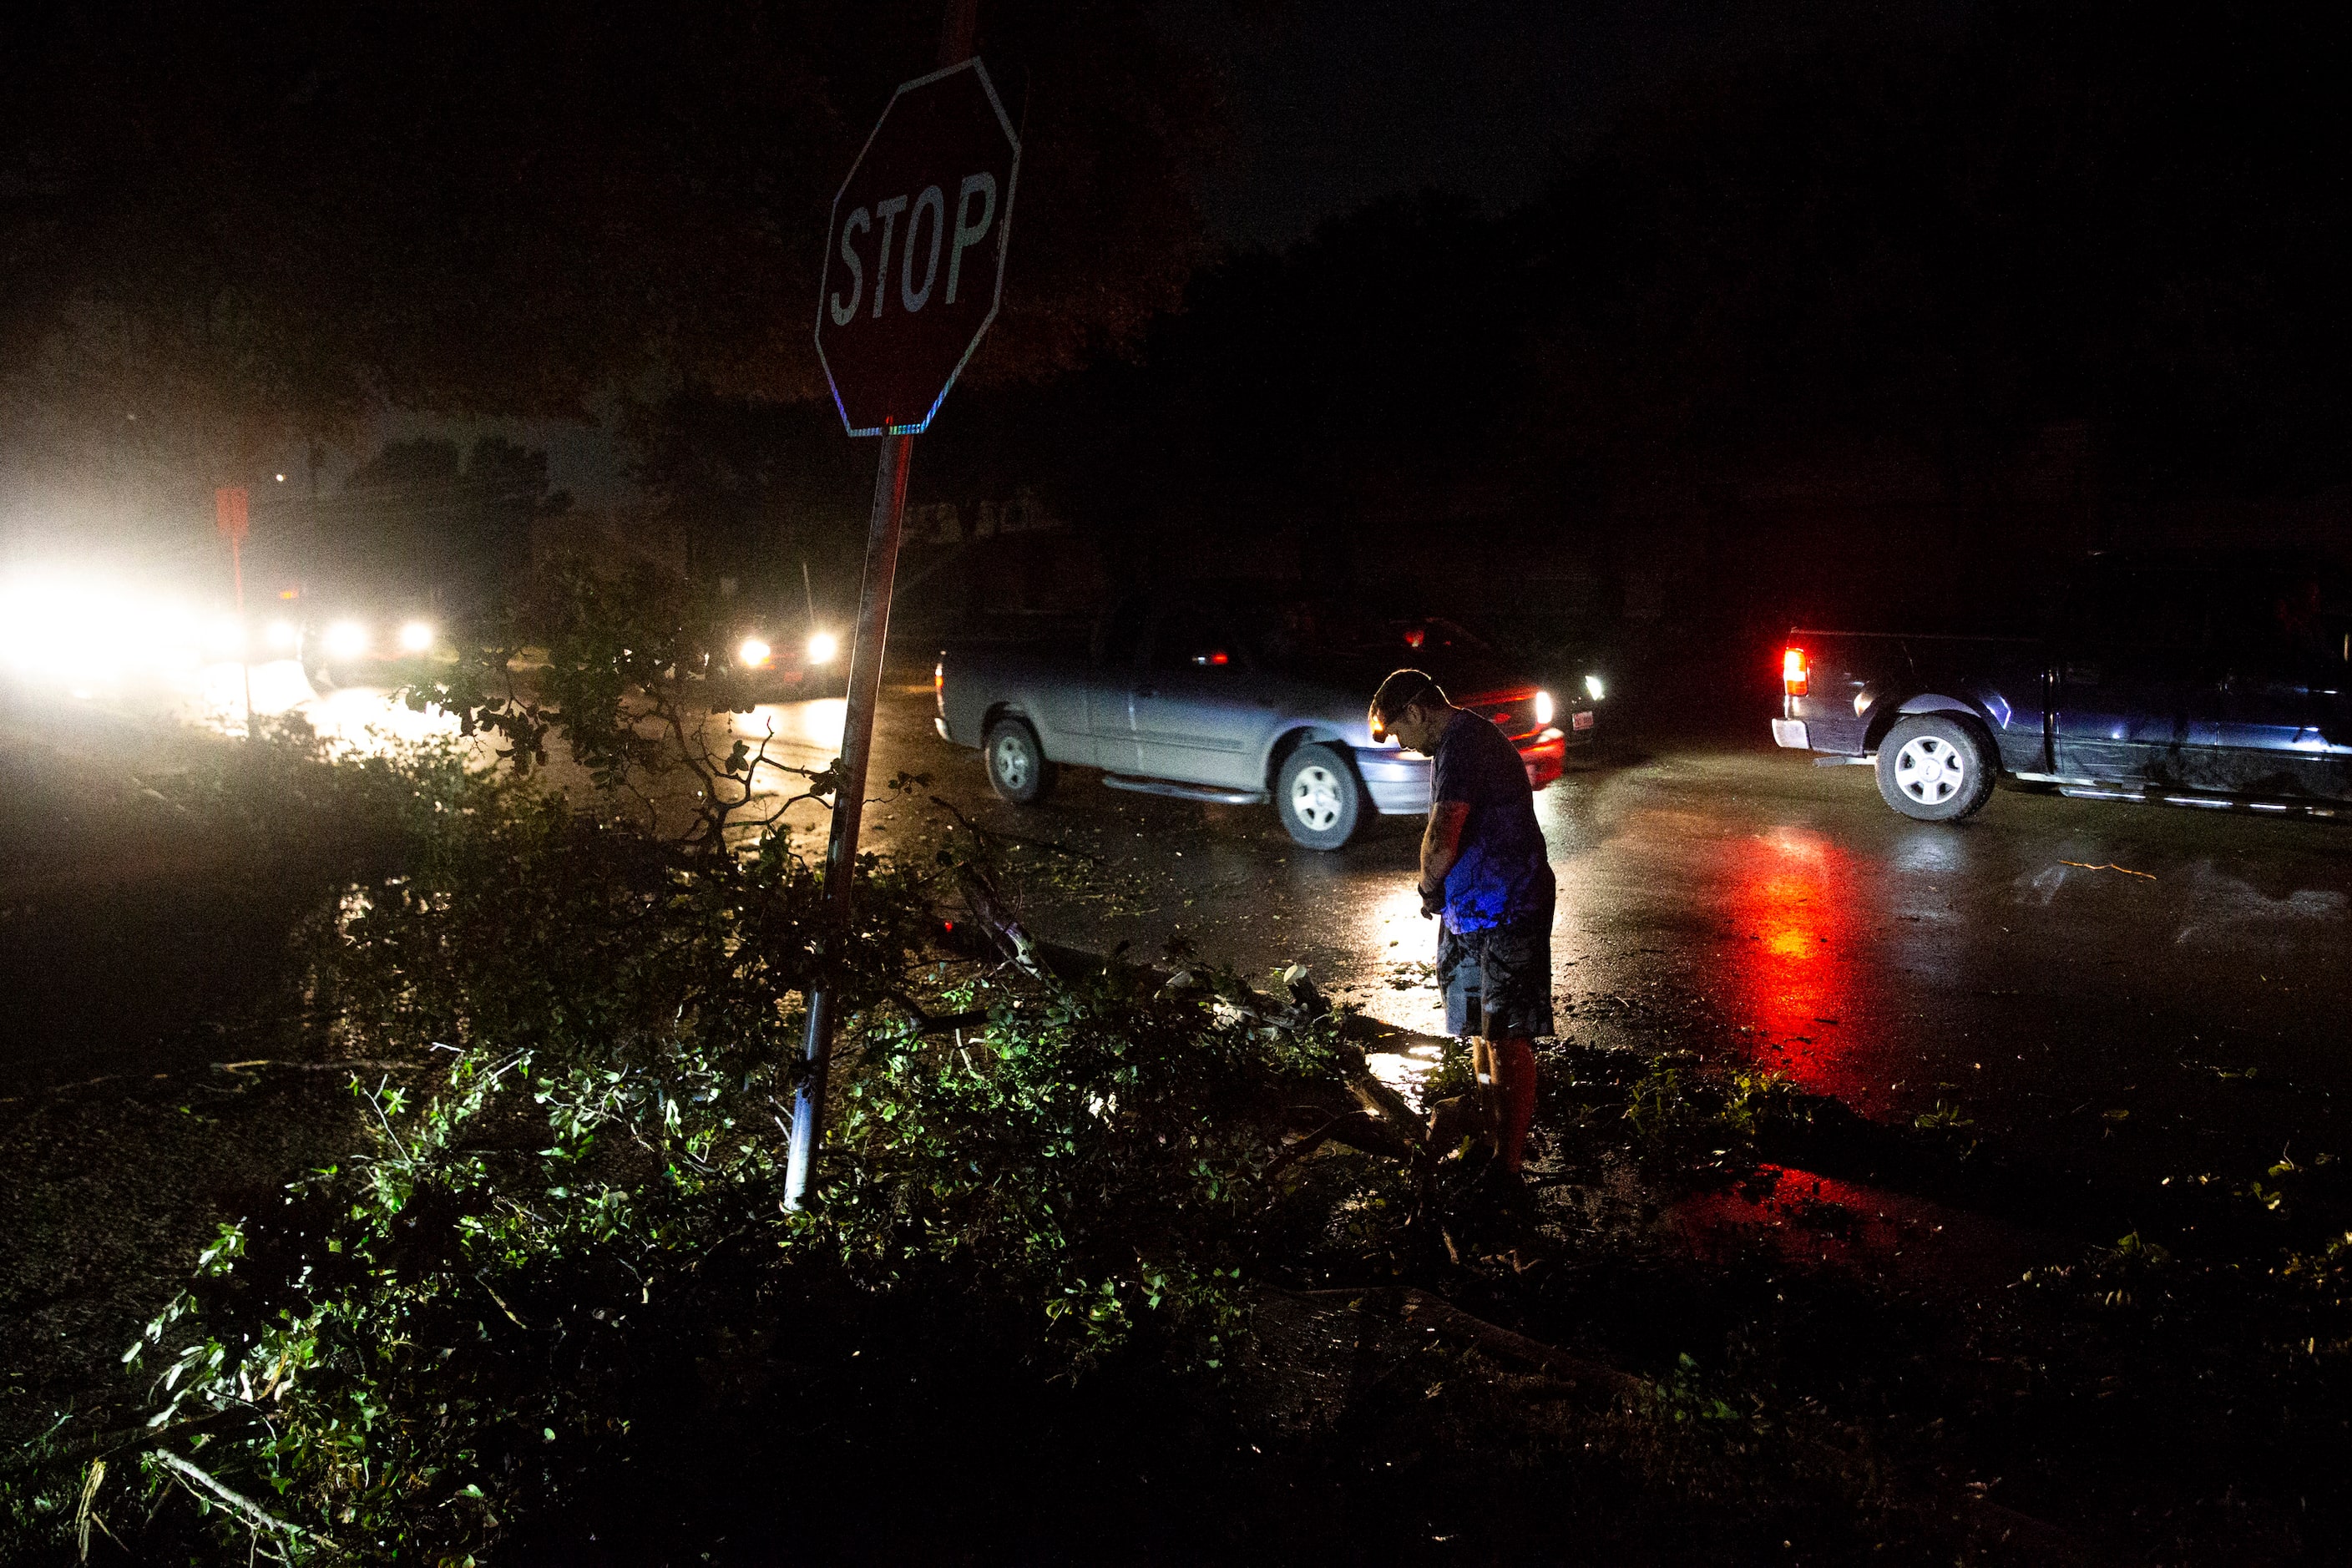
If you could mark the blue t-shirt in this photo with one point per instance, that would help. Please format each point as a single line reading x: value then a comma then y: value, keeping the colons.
x: 1502, y: 873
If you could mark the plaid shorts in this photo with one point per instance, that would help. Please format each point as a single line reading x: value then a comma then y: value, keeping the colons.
x: 1497, y: 980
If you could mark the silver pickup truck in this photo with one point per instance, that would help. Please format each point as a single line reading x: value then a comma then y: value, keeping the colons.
x: 1240, y: 697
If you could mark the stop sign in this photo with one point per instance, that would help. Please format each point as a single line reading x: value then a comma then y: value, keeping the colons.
x: 915, y: 256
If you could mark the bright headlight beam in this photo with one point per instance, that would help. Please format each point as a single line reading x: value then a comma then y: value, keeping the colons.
x: 347, y: 639
x: 824, y: 649
x: 283, y: 638
x: 1593, y: 687
x: 416, y: 637
x: 754, y: 653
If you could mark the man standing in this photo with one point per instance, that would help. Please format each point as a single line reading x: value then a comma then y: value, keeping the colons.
x: 1485, y: 871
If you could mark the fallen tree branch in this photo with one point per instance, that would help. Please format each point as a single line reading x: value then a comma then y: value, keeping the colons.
x: 244, y: 1507
x: 1355, y: 1129
x: 940, y: 1024
x: 1045, y: 962
x: 212, y: 1066
x: 1442, y: 1317
x: 1000, y: 922
x: 106, y: 1445
x: 1386, y: 1104
x: 315, y: 1067
x: 1000, y: 835
x: 1423, y: 1308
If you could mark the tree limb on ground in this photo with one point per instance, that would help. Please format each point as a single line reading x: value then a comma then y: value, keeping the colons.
x: 1420, y: 1307
x: 1049, y: 961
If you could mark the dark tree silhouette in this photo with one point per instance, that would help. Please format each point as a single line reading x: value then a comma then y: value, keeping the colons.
x: 259, y: 219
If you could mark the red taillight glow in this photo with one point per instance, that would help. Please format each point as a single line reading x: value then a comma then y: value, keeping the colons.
x: 1794, y: 676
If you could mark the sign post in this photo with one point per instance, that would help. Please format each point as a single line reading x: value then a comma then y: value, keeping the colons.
x: 230, y: 513
x: 914, y: 264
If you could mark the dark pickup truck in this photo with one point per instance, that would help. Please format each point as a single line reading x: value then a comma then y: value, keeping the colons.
x: 2218, y: 679
x: 1241, y: 695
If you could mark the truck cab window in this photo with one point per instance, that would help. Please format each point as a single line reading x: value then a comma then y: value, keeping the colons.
x: 1191, y: 639
x: 1122, y: 634
x: 2282, y: 622
x: 2124, y: 607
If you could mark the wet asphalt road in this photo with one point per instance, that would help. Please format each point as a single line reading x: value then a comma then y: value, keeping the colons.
x: 1719, y: 896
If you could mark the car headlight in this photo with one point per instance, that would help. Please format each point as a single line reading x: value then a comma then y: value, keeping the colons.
x: 1593, y: 687
x: 1543, y: 707
x: 824, y: 648
x: 416, y: 637
x: 347, y: 639
x: 283, y: 638
x: 754, y: 653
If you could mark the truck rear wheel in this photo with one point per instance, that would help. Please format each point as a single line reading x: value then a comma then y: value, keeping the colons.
x: 1933, y: 768
x: 1017, y: 768
x: 1318, y: 797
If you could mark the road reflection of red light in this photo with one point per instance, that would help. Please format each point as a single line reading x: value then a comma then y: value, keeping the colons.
x: 1792, y: 965
x: 1797, y: 1217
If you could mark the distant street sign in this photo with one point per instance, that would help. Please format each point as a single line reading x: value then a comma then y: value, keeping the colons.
x: 228, y: 512
x: 915, y: 257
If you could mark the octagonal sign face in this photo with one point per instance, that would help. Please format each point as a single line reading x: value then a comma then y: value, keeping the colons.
x: 915, y: 257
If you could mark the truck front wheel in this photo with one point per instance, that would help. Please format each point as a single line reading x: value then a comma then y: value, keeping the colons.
x: 1318, y: 797
x: 1933, y: 768
x: 1017, y: 768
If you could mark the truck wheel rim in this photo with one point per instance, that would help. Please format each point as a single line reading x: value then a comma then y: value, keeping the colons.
x: 1315, y: 798
x: 1929, y: 770
x: 1012, y: 762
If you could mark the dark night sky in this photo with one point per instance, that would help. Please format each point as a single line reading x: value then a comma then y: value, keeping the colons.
x: 1330, y: 104
x: 1334, y: 103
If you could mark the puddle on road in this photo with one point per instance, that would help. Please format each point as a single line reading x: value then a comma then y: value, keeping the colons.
x: 817, y: 723
x: 1806, y: 1220
x: 1793, y: 972
x: 1406, y: 1071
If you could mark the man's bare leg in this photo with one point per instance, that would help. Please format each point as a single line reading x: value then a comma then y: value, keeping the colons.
x: 1514, y: 1096
x: 1488, y: 1094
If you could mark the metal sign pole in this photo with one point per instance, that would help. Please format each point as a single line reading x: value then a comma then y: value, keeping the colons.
x: 243, y: 632
x: 229, y: 514
x: 956, y: 38
x: 849, y: 798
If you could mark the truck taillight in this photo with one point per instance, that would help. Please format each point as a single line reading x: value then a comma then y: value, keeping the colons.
x: 1794, y: 676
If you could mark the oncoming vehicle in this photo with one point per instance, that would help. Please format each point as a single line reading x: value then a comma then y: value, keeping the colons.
x: 1241, y: 696
x: 781, y: 665
x: 2209, y: 678
x: 355, y: 645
